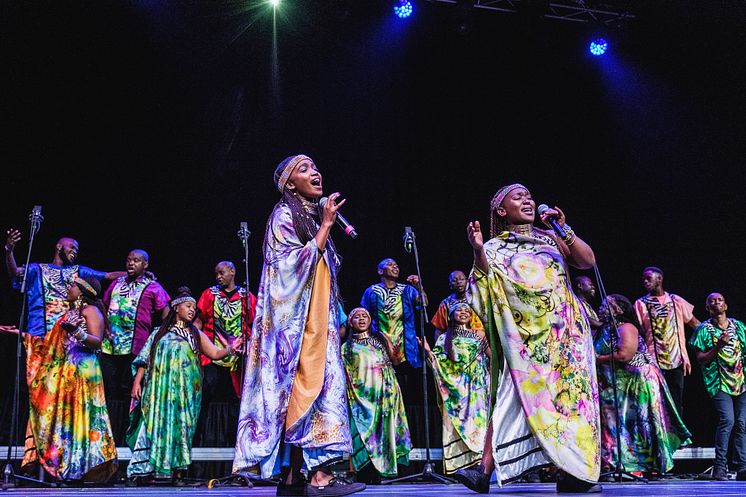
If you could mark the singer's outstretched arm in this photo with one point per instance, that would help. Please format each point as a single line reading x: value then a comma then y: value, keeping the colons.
x: 476, y: 239
x: 14, y: 237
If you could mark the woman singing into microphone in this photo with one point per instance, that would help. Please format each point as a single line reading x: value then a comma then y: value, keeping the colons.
x: 546, y: 399
x: 294, y: 403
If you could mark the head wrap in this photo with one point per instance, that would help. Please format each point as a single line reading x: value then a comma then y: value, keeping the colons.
x: 355, y: 311
x: 503, y: 192
x: 457, y: 305
x: 286, y: 168
x: 181, y: 300
x: 85, y: 287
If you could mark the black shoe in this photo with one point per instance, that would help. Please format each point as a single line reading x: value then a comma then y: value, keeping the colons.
x: 335, y: 488
x: 473, y: 479
x: 741, y: 476
x: 296, y: 488
x: 720, y: 474
x: 531, y: 477
x: 568, y: 484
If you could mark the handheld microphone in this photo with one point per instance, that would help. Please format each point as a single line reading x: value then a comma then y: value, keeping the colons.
x: 408, y: 239
x: 552, y: 221
x: 341, y: 221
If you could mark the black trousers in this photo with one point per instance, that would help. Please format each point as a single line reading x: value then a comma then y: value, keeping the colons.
x: 118, y: 377
x: 675, y: 381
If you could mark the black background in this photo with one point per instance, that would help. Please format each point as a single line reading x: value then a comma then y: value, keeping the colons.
x: 158, y: 125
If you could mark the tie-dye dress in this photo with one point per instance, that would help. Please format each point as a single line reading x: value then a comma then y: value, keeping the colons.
x: 169, y: 407
x: 379, y: 428
x: 69, y: 432
x: 651, y: 429
x: 546, y: 405
x: 463, y: 382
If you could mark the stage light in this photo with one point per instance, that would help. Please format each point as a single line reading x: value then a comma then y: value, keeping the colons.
x: 403, y: 8
x: 598, y: 47
x: 274, y: 3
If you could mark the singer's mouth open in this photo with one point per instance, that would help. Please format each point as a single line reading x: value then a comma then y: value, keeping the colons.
x: 316, y: 181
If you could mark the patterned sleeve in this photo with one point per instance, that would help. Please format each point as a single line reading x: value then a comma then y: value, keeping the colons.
x: 701, y: 338
x: 86, y: 272
x: 440, y: 319
x: 367, y: 300
x: 205, y: 305
x: 342, y: 316
x: 33, y: 272
x: 686, y: 309
x: 161, y: 298
x: 107, y: 295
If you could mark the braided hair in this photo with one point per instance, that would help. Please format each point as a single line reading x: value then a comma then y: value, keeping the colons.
x: 169, y: 323
x: 93, y: 299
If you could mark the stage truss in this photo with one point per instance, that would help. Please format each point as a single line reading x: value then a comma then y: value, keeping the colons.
x: 603, y: 13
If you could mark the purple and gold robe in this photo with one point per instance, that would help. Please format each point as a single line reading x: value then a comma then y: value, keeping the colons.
x: 295, y: 384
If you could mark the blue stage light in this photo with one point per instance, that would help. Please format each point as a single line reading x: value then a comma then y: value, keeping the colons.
x: 598, y: 47
x: 403, y: 9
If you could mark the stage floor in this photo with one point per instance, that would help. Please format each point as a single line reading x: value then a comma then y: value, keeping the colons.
x: 676, y: 488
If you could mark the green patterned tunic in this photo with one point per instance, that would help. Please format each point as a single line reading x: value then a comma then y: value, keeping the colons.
x: 170, y: 405
x: 463, y: 380
x: 378, y: 422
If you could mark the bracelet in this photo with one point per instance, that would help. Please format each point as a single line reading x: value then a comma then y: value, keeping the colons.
x: 81, y: 336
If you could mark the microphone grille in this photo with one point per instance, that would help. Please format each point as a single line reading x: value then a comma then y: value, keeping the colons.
x: 542, y: 208
x: 322, y: 201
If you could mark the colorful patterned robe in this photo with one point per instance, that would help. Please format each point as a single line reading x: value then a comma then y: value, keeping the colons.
x: 546, y: 408
x: 297, y: 280
x: 69, y: 431
x: 380, y: 432
x: 169, y: 407
x: 651, y: 428
x: 464, y: 386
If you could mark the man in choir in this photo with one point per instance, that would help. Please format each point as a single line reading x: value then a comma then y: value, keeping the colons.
x: 225, y: 311
x: 662, y: 316
x: 47, y: 284
x: 133, y: 302
x: 720, y: 343
x: 585, y: 291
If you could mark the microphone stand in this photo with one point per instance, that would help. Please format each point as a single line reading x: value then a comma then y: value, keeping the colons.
x: 10, y: 477
x: 428, y: 473
x: 619, y: 471
x: 243, y: 235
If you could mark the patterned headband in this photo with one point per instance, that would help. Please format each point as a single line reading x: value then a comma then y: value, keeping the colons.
x: 181, y: 300
x: 289, y: 168
x: 85, y: 287
x: 497, y: 200
x: 358, y: 309
x: 453, y: 308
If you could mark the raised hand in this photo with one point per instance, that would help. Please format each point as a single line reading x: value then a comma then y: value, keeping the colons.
x: 13, y: 237
x: 474, y: 234
x: 413, y: 280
